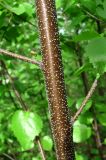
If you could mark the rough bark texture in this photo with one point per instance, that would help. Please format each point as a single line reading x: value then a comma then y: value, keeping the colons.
x: 53, y: 71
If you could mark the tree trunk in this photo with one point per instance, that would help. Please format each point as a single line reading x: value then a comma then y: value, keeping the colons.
x: 53, y: 72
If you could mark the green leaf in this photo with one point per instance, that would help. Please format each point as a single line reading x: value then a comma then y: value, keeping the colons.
x: 47, y: 143
x: 96, y: 50
x: 100, y: 107
x: 102, y: 118
x: 23, y: 8
x: 19, y: 10
x: 99, y: 2
x: 81, y: 69
x: 26, y: 125
x: 28, y: 8
x: 80, y: 156
x: 89, y: 4
x: 81, y: 132
x: 88, y: 35
x: 86, y: 118
x: 3, y: 21
x: 12, y: 33
x: 101, y: 10
x: 58, y: 4
x: 87, y: 106
x: 104, y: 141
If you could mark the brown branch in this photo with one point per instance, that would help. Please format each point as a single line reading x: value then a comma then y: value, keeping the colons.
x: 23, y: 58
x: 40, y: 148
x: 96, y: 129
x: 97, y: 136
x: 91, y: 91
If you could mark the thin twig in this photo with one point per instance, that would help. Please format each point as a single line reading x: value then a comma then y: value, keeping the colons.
x: 23, y: 58
x: 90, y: 14
x: 24, y: 106
x: 11, y: 97
x: 6, y: 155
x: 40, y: 148
x: 97, y: 136
x: 91, y: 91
x: 96, y: 129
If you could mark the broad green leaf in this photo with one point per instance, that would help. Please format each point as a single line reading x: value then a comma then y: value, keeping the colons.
x: 96, y: 50
x: 87, y: 106
x: 28, y: 8
x: 19, y: 10
x: 102, y: 118
x: 81, y: 132
x: 26, y: 125
x: 47, y: 143
x: 88, y: 35
x: 86, y: 118
x: 23, y: 8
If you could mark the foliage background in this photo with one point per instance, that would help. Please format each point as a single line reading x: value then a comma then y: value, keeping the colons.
x: 82, y: 28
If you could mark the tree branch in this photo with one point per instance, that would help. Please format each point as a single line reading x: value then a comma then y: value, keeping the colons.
x: 23, y: 58
x: 40, y: 148
x: 91, y: 91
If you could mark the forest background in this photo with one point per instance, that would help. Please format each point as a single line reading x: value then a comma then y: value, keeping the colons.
x: 82, y: 28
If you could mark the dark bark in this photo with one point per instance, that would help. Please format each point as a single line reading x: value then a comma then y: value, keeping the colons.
x: 53, y: 72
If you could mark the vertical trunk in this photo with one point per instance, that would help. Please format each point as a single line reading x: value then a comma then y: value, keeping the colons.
x: 53, y: 71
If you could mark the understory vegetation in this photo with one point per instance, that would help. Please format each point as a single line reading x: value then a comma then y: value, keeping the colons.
x: 82, y: 29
